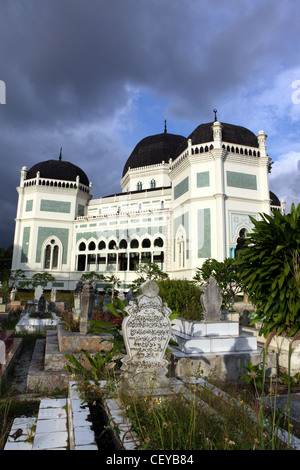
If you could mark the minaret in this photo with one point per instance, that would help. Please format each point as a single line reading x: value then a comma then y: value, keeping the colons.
x: 264, y: 171
x: 218, y: 155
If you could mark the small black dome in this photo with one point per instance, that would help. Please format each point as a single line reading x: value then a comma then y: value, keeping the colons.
x: 274, y: 199
x: 153, y: 150
x: 59, y: 170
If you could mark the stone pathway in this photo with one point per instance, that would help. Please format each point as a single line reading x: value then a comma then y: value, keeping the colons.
x: 18, y: 380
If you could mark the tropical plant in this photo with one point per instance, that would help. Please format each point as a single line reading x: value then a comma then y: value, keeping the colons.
x: 90, y: 367
x: 268, y: 270
x: 92, y: 276
x: 99, y: 326
x: 39, y: 279
x: 15, y: 277
x: 148, y: 271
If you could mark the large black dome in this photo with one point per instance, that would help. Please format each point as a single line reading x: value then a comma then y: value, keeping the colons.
x: 230, y: 133
x: 59, y: 170
x: 154, y: 149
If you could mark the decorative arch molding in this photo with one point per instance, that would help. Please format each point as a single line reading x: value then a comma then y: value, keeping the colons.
x: 180, y: 247
x: 52, y: 251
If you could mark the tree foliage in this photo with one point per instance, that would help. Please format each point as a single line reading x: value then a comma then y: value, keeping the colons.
x: 148, y: 271
x: 269, y: 271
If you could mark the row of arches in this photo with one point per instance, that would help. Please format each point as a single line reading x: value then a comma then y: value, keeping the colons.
x: 232, y: 149
x: 122, y: 245
x: 201, y: 149
x: 242, y: 151
x: 122, y: 255
x: 55, y: 184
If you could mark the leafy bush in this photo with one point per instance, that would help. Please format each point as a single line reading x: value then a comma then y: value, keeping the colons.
x: 182, y: 297
x: 268, y: 269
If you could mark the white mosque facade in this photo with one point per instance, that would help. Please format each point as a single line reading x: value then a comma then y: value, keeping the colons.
x: 182, y: 200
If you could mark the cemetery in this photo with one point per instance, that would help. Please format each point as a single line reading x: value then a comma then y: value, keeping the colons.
x: 114, y: 370
x: 91, y: 368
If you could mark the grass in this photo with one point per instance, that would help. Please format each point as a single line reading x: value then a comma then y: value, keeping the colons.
x: 198, y: 420
x: 11, y: 409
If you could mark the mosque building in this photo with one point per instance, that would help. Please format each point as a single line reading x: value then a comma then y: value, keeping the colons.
x: 182, y: 200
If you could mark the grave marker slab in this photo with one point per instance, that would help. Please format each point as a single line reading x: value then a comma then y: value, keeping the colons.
x: 146, y: 332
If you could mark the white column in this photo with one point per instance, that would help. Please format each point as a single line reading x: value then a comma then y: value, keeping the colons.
x: 264, y: 172
x: 219, y: 195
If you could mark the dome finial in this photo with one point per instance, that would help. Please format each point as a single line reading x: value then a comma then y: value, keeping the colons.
x: 165, y: 126
x: 60, y: 155
x: 215, y: 111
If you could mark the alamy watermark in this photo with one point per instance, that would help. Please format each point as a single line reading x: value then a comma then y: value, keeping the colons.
x: 296, y: 94
x: 2, y: 92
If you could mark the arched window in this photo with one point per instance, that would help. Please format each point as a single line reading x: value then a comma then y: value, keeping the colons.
x: 112, y: 245
x: 82, y: 246
x: 158, y: 242
x: 123, y: 244
x: 139, y: 186
x: 152, y: 184
x: 146, y: 243
x: 240, y: 241
x: 134, y: 243
x: 51, y: 255
x: 101, y: 245
x: 92, y: 246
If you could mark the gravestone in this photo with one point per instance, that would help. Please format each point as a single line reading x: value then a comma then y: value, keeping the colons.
x: 129, y: 297
x: 121, y: 296
x: 77, y: 299
x: 2, y: 353
x: 106, y: 300
x: 146, y: 332
x: 87, y: 305
x: 41, y: 306
x: 13, y: 293
x: 53, y: 295
x: 38, y: 291
x: 211, y: 301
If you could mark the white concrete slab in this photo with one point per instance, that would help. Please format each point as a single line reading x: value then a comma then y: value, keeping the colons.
x: 45, y: 441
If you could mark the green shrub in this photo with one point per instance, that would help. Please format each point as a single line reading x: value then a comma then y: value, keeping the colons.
x: 182, y: 297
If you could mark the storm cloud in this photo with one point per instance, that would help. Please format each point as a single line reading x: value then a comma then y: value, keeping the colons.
x: 96, y: 76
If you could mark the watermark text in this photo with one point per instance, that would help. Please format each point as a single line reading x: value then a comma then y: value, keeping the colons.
x: 296, y: 94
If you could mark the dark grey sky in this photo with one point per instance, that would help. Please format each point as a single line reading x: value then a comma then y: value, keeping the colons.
x: 97, y: 76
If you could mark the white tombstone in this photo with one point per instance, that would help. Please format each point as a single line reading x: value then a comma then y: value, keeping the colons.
x: 2, y: 352
x: 53, y: 295
x: 146, y: 332
x: 13, y: 294
x: 38, y: 292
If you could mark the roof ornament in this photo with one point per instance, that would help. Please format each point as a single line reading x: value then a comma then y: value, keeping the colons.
x: 215, y: 111
x: 165, y: 126
x: 60, y: 155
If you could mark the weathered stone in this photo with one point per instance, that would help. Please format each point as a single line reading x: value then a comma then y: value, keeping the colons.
x: 211, y: 301
x: 2, y: 352
x: 38, y: 291
x: 87, y: 304
x: 146, y: 332
x: 41, y: 306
